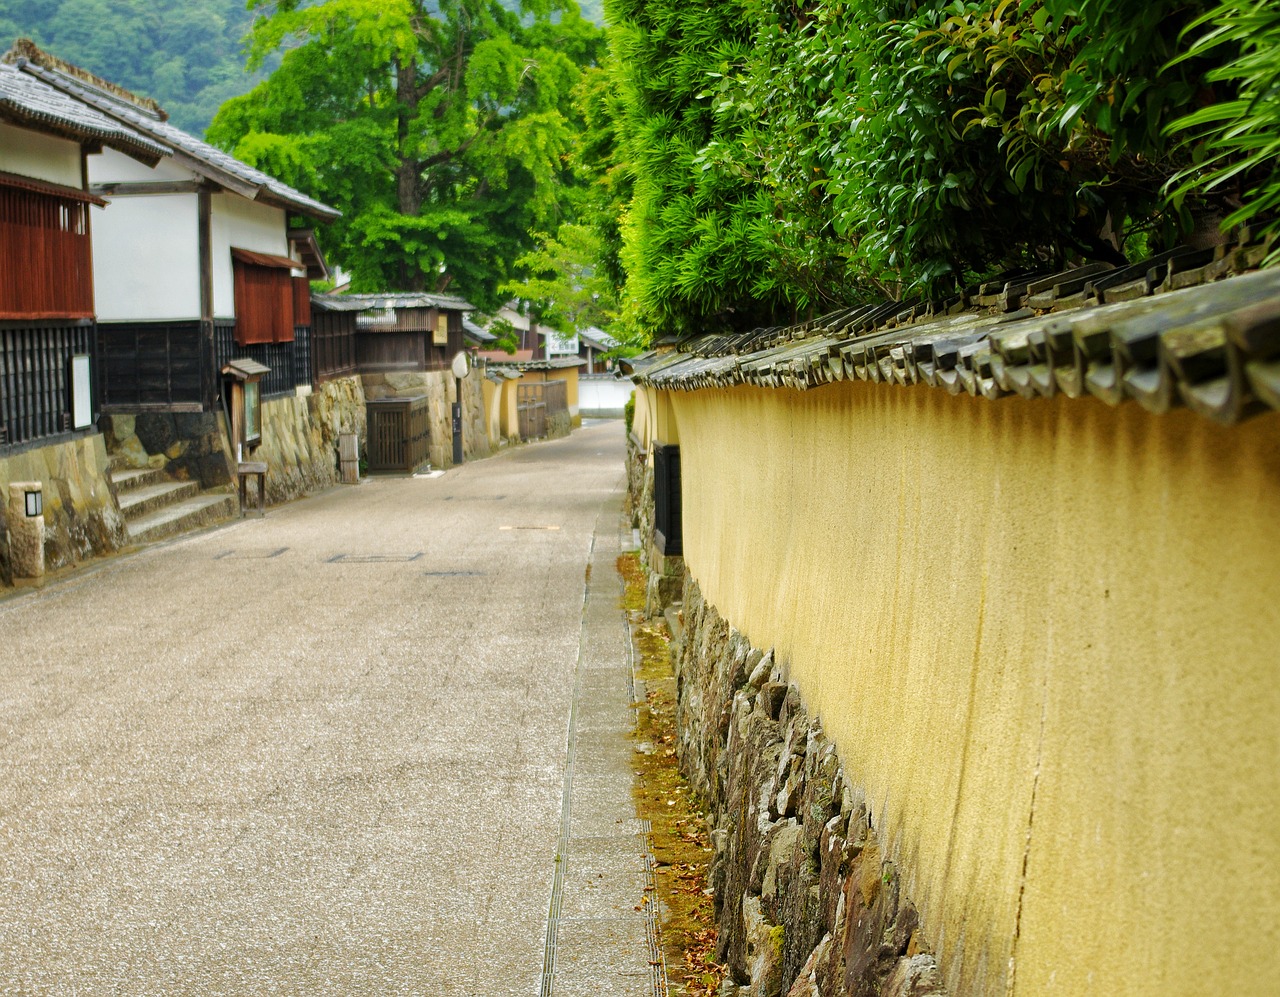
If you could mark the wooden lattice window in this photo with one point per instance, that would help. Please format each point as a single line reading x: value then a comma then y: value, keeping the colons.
x: 265, y: 297
x: 46, y: 262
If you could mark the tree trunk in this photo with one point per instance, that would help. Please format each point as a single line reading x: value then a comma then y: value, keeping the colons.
x: 408, y: 192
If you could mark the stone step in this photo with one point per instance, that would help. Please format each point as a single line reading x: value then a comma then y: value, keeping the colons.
x: 182, y: 517
x: 130, y: 479
x: 143, y: 501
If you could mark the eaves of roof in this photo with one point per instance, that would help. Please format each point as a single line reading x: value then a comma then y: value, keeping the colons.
x: 559, y: 363
x: 422, y: 299
x: 31, y: 103
x: 196, y: 155
x: 474, y: 332
x: 1206, y: 337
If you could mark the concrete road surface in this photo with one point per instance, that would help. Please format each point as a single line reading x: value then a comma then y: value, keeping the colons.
x: 325, y: 752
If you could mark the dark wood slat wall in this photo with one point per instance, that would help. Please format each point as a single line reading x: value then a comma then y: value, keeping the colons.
x: 35, y: 375
x: 290, y: 362
x: 150, y: 365
x: 333, y: 344
x: 45, y: 240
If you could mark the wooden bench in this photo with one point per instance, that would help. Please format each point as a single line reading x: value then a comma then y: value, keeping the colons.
x: 247, y: 469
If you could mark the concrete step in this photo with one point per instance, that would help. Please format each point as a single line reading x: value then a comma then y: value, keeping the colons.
x: 190, y: 514
x: 129, y: 479
x: 143, y: 501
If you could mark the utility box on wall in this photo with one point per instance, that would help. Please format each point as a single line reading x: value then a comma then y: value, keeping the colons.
x: 668, y: 535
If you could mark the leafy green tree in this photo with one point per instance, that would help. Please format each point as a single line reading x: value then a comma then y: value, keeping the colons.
x: 1237, y: 139
x: 440, y: 129
x: 564, y: 282
x: 695, y: 241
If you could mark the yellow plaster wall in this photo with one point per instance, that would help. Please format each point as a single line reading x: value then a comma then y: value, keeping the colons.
x: 642, y: 423
x: 492, y: 411
x: 510, y: 410
x: 1046, y: 637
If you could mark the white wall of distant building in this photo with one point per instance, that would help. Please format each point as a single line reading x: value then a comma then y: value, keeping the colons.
x: 602, y: 396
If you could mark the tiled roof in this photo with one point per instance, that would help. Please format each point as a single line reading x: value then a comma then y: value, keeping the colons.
x: 408, y: 300
x: 556, y: 363
x: 474, y: 332
x: 198, y: 155
x: 1163, y: 336
x: 27, y: 101
x: 597, y: 338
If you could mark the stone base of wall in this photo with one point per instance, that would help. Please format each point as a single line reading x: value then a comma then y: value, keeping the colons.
x: 300, y: 437
x: 81, y: 516
x: 299, y: 441
x: 187, y: 446
x: 807, y: 902
x: 436, y: 385
x: 663, y: 575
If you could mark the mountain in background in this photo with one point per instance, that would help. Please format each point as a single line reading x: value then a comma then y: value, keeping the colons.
x: 186, y: 55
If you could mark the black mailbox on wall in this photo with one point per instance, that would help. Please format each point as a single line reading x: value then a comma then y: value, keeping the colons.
x: 668, y: 535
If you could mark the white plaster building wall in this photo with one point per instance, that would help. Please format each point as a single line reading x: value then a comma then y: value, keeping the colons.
x: 603, y: 396
x: 146, y: 258
x: 110, y: 166
x: 39, y: 156
x: 244, y: 224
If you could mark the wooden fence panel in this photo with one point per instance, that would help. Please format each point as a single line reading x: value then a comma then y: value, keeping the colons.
x: 151, y: 365
x: 531, y: 410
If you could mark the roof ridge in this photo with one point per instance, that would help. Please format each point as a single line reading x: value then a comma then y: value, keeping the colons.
x: 26, y: 49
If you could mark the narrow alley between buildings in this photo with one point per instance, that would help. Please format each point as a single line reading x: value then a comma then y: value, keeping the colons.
x: 370, y: 744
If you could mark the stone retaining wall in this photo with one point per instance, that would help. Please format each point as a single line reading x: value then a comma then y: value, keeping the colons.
x: 300, y: 437
x: 299, y: 441
x: 806, y: 901
x: 81, y: 516
x: 187, y: 446
x: 663, y: 575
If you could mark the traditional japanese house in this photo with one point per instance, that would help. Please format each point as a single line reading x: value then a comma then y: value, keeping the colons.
x: 545, y: 394
x: 46, y: 264
x: 402, y: 346
x: 407, y: 332
x: 195, y: 265
x: 593, y: 344
x: 49, y: 446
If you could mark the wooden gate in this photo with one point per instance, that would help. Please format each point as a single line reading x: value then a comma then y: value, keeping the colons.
x: 399, y: 431
x: 531, y: 410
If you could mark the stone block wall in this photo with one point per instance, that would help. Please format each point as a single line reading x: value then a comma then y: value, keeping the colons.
x: 81, y: 516
x: 806, y: 902
x: 187, y: 446
x: 300, y: 437
x: 299, y: 441
x: 438, y: 388
x: 663, y: 575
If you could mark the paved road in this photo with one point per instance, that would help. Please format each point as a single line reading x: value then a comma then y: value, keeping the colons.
x: 325, y: 752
